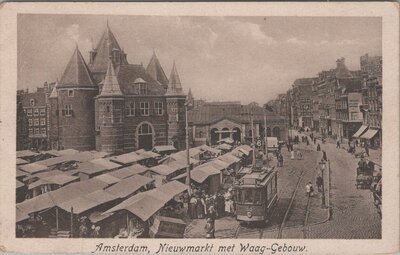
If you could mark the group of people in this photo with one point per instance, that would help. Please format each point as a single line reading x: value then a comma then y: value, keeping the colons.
x: 85, y: 231
x: 201, y: 205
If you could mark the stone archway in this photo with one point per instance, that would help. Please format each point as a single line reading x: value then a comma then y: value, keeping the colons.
x: 225, y: 133
x: 214, y: 136
x: 145, y: 136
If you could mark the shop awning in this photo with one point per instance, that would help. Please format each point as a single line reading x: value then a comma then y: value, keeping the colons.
x: 129, y: 171
x: 360, y: 131
x: 129, y: 185
x: 370, y: 133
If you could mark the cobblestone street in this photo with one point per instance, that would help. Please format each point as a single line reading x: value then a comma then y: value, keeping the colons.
x: 353, y: 214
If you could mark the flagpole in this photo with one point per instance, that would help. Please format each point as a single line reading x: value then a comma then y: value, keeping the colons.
x: 252, y: 140
x: 187, y: 149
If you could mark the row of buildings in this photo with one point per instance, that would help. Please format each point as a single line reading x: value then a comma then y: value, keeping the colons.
x: 339, y: 103
x: 107, y: 104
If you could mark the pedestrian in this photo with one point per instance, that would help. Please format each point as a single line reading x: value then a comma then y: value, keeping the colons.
x: 228, y: 202
x: 309, y: 189
x: 367, y: 150
x: 299, y: 155
x: 193, y: 207
x: 337, y: 144
x: 315, y: 140
x: 308, y: 143
x: 324, y: 157
x: 356, y: 142
x: 288, y: 147
x: 210, y: 229
x: 220, y: 205
x: 200, y: 207
x: 292, y: 155
x: 319, y: 183
x: 281, y: 160
x: 96, y: 232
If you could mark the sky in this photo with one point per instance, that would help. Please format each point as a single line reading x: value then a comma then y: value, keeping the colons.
x: 247, y: 59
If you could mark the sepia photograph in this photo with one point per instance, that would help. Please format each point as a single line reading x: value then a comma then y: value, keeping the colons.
x: 141, y: 127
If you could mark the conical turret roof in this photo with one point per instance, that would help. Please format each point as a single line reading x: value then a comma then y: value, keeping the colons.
x: 104, y: 50
x: 54, y: 93
x: 77, y: 72
x: 174, y: 86
x: 111, y: 85
x: 155, y: 70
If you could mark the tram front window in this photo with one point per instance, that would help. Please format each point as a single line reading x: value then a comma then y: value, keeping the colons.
x: 250, y: 196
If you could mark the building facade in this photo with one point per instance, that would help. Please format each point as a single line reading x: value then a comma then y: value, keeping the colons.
x: 114, y: 106
x: 36, y: 109
x: 214, y: 121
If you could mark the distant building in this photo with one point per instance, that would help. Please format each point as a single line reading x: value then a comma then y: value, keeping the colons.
x: 371, y: 66
x: 302, y: 97
x: 36, y: 107
x: 214, y: 121
x: 22, y: 123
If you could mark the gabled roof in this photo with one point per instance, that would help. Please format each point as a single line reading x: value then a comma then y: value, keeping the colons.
x: 104, y: 49
x: 155, y: 70
x: 77, y: 72
x: 174, y: 86
x: 110, y: 85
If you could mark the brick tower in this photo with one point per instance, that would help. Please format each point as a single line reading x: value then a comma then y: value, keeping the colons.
x: 109, y: 114
x: 176, y: 110
x: 75, y: 101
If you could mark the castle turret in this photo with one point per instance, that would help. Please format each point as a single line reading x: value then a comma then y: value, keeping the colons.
x: 176, y: 110
x: 53, y: 118
x: 76, y: 92
x: 106, y: 49
x: 155, y: 70
x: 109, y: 114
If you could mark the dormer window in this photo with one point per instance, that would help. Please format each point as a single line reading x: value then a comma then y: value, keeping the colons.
x: 142, y: 86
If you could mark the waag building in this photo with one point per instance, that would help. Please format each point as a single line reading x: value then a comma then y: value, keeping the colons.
x: 110, y: 105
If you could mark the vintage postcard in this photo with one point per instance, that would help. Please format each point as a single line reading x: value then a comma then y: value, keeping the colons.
x: 199, y: 128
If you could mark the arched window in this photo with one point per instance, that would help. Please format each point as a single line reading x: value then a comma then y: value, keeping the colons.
x: 145, y: 129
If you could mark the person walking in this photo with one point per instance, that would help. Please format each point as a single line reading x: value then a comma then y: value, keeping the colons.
x: 309, y: 189
x: 367, y: 150
x: 210, y: 229
x: 193, y: 208
x: 318, y: 147
x: 324, y: 157
x: 308, y: 143
x: 337, y: 144
x: 315, y: 140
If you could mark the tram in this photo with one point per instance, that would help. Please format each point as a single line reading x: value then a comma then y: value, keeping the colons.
x: 256, y: 194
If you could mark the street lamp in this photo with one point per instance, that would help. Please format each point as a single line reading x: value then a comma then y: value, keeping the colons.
x: 322, y: 167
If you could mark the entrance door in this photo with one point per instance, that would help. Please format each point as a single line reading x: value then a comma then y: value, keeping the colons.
x: 145, y: 137
x: 236, y: 134
x: 214, y: 136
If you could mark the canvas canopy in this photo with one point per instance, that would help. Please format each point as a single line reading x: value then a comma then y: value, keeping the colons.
x: 369, y: 134
x: 129, y: 185
x: 129, y: 171
x: 200, y: 173
x: 360, y: 131
x: 78, y: 157
x: 229, y: 158
x: 146, y: 204
x: 163, y: 169
x: 107, y: 178
x: 33, y: 168
x: 224, y: 146
x: 127, y: 158
x: 164, y: 148
x: 21, y: 161
x: 210, y: 149
x: 227, y: 140
x: 87, y: 202
x: 26, y: 153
